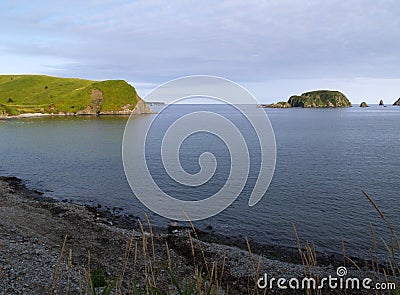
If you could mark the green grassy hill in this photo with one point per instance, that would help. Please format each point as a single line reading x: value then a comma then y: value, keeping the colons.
x: 44, y: 94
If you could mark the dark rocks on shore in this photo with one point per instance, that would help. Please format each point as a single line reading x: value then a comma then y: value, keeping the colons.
x: 175, y: 228
x: 397, y: 103
x: 363, y: 105
x: 381, y: 102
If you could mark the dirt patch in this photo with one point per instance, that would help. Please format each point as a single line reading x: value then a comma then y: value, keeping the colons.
x: 97, y: 98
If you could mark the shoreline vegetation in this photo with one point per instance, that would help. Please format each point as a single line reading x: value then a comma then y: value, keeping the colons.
x: 47, y: 247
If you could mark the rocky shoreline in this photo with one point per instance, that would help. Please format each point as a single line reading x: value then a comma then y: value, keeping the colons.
x: 40, y: 115
x: 112, y: 113
x: 33, y: 229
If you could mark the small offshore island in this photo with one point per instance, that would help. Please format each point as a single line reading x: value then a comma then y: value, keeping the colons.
x: 39, y: 95
x: 315, y: 99
x: 319, y: 99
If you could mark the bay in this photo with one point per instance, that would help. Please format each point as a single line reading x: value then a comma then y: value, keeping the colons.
x: 324, y: 158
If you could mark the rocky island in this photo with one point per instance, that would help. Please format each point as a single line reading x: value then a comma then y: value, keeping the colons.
x: 280, y: 105
x: 38, y: 95
x: 363, y: 105
x: 320, y: 99
x: 397, y: 103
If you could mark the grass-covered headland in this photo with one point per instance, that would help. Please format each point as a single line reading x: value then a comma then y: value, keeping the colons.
x: 21, y: 94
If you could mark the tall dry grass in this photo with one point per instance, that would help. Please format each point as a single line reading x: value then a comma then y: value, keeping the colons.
x: 385, y: 270
x: 144, y: 270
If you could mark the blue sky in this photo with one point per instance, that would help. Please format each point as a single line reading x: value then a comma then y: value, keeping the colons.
x: 273, y: 48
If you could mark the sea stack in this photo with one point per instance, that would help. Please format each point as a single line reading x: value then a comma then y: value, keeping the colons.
x: 363, y: 105
x: 381, y: 102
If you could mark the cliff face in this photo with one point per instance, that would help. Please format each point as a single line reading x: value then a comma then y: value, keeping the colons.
x: 140, y: 108
x: 320, y: 99
x: 24, y: 94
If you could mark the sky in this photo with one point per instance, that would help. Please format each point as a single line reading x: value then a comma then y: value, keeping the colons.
x: 273, y: 48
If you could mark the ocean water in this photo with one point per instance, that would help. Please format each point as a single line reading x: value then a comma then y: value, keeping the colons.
x: 324, y: 158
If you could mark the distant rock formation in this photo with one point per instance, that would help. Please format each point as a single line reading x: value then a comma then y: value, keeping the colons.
x: 381, y: 102
x: 397, y: 103
x: 363, y: 105
x: 320, y: 99
x: 280, y: 105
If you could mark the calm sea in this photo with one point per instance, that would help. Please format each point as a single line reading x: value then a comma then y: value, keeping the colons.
x: 324, y: 158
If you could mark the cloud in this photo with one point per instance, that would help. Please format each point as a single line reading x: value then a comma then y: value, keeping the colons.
x: 251, y: 41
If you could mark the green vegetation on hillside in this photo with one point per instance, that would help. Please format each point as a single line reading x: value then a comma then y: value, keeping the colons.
x: 44, y: 94
x: 320, y: 99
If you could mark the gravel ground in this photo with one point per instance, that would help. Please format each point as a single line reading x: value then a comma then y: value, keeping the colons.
x: 35, y: 260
